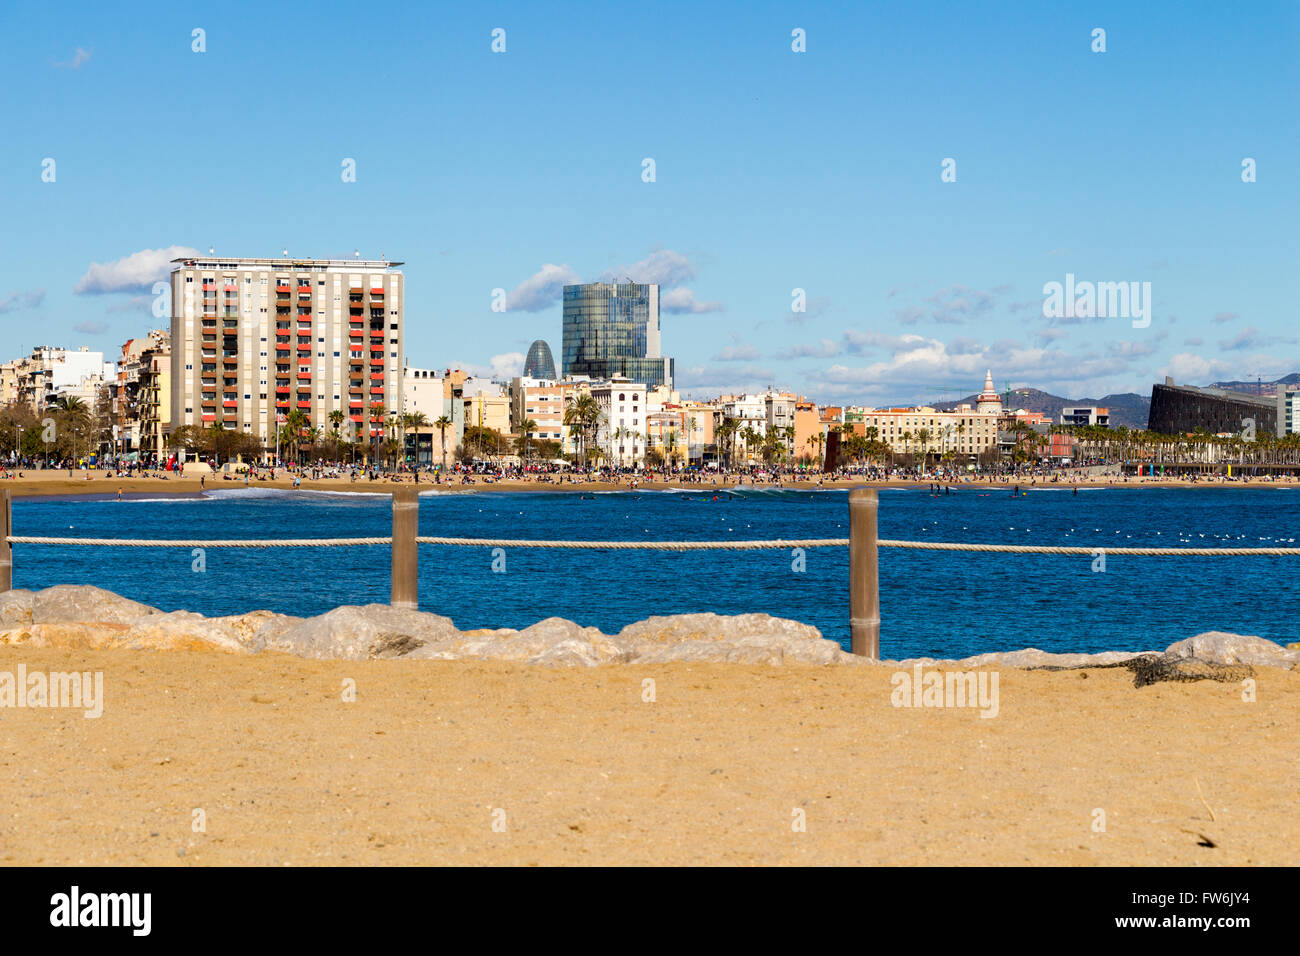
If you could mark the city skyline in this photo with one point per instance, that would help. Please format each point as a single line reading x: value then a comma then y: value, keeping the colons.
x: 1122, y: 166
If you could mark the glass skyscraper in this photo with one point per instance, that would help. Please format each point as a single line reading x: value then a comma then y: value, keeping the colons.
x: 539, y: 363
x: 613, y: 329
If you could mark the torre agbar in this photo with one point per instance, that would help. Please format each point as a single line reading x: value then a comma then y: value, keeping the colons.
x: 254, y: 339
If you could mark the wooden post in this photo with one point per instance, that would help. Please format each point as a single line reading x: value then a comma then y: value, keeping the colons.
x: 406, y: 559
x: 864, y: 577
x: 6, y: 549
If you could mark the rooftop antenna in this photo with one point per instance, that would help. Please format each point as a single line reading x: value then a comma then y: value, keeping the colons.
x: 286, y: 253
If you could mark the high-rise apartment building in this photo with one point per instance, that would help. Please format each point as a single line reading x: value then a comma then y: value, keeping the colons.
x: 253, y: 340
x: 612, y: 330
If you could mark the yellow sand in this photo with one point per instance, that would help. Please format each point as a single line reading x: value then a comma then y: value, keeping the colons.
x: 587, y: 772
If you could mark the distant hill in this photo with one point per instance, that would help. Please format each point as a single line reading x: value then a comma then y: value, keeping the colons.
x: 1127, y: 409
x: 1258, y: 388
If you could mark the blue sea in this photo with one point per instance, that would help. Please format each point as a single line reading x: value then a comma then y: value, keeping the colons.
x: 932, y: 603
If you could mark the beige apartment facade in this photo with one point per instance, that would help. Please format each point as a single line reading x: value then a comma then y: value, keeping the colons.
x: 255, y: 339
x: 925, y: 430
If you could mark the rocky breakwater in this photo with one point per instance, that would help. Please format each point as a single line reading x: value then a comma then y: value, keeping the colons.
x: 83, y: 617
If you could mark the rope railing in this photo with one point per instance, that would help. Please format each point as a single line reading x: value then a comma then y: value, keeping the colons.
x: 201, y: 543
x: 771, y: 544
x: 863, y: 545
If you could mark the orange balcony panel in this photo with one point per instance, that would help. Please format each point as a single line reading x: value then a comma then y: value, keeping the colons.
x: 304, y: 361
x: 209, y: 418
x: 304, y: 375
x: 282, y: 404
x: 376, y: 391
x: 282, y: 390
x: 356, y: 418
x: 304, y: 404
x: 354, y: 403
x: 227, y: 404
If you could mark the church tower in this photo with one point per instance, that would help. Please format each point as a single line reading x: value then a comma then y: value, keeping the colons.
x: 989, y: 402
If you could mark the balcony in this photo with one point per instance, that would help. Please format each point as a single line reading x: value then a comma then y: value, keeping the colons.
x: 282, y: 390
x: 209, y: 418
x: 227, y: 404
x: 304, y: 376
x: 304, y: 404
x: 355, y: 418
x: 304, y: 292
x: 284, y: 404
x: 376, y: 391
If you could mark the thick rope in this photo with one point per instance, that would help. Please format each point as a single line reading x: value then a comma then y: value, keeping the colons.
x: 773, y: 544
x: 1100, y: 549
x: 224, y: 543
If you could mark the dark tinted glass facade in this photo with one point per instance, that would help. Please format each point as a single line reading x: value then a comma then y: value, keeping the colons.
x: 540, y: 363
x: 613, y: 329
x: 1178, y: 409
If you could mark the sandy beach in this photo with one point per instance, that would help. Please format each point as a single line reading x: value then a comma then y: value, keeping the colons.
x: 34, y: 483
x: 587, y: 772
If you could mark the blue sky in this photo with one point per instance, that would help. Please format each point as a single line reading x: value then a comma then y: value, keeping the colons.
x: 774, y: 170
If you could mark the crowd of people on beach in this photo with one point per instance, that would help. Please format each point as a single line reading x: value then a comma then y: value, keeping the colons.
x: 491, y: 473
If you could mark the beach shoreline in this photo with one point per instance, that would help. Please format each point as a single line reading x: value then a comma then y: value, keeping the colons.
x: 57, y: 484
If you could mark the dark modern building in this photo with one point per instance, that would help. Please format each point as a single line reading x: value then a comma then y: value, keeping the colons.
x: 613, y: 329
x: 540, y: 363
x: 1180, y: 409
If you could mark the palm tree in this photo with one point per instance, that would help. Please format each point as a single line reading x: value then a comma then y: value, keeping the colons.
x: 377, y: 413
x: 526, y: 426
x: 583, y: 417
x: 295, y: 422
x: 442, y: 424
x: 724, y: 435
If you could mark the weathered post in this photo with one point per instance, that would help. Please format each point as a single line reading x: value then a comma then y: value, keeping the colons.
x: 406, y: 560
x: 6, y: 549
x: 864, y: 577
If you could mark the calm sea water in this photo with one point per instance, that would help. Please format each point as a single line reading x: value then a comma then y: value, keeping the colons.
x: 933, y: 603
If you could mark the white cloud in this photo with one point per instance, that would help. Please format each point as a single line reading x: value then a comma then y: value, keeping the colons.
x: 134, y: 273
x: 507, y: 365
x: 737, y: 353
x: 22, y: 300
x: 677, y: 301
x: 90, y: 328
x: 703, y: 380
x: 823, y: 348
x: 79, y: 58
x: 916, y: 363
x: 541, y: 290
x: 663, y: 267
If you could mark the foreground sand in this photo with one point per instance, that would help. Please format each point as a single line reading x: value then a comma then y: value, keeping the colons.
x: 589, y: 773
